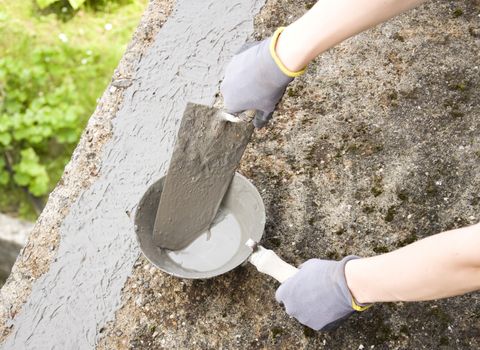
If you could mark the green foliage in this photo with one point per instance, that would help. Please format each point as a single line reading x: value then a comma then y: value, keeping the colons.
x: 45, y: 3
x: 76, y: 4
x: 51, y: 73
x: 41, y: 99
x: 41, y: 111
x: 3, y: 173
x: 29, y: 172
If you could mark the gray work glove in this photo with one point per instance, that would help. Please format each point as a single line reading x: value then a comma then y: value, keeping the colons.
x: 256, y: 79
x: 318, y: 295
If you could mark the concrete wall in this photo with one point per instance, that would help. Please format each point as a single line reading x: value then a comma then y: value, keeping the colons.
x: 376, y: 146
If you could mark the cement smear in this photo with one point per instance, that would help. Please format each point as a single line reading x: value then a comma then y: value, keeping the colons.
x: 206, y: 153
x: 80, y: 293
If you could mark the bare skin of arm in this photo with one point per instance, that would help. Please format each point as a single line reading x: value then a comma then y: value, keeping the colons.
x: 439, y: 266
x: 331, y: 22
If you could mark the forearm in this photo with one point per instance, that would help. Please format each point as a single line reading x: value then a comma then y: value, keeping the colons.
x: 439, y: 266
x: 329, y: 23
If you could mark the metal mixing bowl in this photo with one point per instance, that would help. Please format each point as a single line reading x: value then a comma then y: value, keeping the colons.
x: 242, y: 201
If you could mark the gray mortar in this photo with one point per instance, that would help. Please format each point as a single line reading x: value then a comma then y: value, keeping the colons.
x: 70, y: 304
x: 241, y: 217
x: 207, y: 152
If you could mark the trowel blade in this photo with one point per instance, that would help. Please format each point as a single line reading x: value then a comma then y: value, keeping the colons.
x: 206, y: 153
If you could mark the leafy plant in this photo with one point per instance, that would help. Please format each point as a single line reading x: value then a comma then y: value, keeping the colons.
x: 45, y: 3
x: 76, y: 4
x: 54, y: 64
x: 29, y: 172
x: 3, y: 174
x: 40, y: 112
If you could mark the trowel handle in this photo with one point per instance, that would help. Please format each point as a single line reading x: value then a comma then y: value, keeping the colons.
x: 266, y: 261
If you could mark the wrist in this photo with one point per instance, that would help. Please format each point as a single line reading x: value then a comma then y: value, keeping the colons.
x: 289, y: 63
x: 355, y: 283
x: 289, y: 53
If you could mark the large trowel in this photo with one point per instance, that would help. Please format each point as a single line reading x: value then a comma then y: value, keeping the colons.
x: 209, y: 146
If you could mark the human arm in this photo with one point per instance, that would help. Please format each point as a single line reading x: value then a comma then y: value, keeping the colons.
x: 258, y: 75
x: 435, y: 267
x: 324, y: 292
x: 328, y: 23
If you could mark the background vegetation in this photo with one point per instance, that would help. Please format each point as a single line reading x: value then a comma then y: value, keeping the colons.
x: 56, y: 58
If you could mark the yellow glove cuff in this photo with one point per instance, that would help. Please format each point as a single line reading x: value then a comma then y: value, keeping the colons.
x: 273, y: 53
x: 357, y: 307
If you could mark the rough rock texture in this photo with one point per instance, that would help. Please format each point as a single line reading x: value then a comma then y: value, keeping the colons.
x: 374, y: 147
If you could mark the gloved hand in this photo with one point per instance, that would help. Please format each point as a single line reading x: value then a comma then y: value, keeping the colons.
x: 318, y: 295
x: 256, y: 79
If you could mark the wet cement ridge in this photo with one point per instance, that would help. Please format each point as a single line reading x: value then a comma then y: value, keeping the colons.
x: 82, y: 290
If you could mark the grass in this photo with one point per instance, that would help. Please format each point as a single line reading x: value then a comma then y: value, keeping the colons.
x: 91, y: 40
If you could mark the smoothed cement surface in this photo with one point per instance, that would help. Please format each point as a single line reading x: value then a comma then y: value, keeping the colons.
x: 80, y: 293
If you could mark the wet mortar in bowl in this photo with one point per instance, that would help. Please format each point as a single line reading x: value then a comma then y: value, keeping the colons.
x: 222, y: 248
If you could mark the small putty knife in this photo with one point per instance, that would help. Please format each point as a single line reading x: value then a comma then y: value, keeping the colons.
x: 209, y: 146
